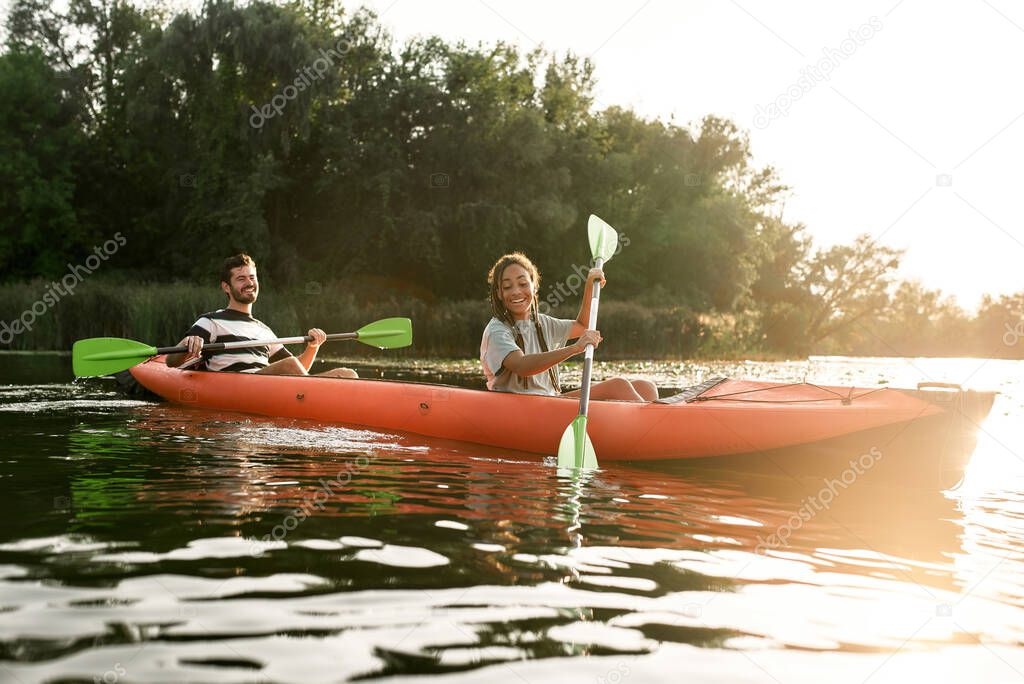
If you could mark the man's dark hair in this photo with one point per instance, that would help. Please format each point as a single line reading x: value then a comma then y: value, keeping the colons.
x: 233, y: 262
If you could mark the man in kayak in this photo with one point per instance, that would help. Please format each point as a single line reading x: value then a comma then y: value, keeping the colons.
x: 234, y: 323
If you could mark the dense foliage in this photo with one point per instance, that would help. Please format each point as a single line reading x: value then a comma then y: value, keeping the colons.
x: 302, y: 134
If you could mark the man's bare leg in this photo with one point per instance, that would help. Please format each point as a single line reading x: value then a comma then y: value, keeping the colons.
x: 338, y: 373
x: 289, y: 366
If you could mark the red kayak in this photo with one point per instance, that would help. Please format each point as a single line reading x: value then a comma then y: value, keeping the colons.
x: 793, y: 428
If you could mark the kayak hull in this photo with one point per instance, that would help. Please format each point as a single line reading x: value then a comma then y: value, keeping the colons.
x: 929, y: 452
x: 734, y: 418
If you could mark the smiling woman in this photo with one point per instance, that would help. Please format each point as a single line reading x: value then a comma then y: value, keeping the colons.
x: 521, y: 348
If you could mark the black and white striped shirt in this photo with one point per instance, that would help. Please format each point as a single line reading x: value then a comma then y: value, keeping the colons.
x: 228, y: 325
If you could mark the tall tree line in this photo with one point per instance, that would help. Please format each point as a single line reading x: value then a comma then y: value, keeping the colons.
x: 301, y: 133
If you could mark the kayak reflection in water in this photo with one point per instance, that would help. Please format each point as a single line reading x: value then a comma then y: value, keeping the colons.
x: 235, y: 323
x: 521, y: 348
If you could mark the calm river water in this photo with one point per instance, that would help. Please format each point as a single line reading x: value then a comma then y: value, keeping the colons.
x: 145, y: 542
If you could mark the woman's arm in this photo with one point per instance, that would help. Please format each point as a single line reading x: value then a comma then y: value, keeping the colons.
x: 525, y: 365
x: 588, y: 298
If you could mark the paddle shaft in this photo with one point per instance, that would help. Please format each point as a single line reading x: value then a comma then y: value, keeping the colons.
x: 243, y: 344
x: 588, y: 355
x: 575, y: 449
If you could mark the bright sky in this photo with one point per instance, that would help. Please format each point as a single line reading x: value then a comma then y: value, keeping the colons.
x: 915, y: 137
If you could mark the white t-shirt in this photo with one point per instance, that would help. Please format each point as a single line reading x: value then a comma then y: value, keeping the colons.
x: 499, y: 341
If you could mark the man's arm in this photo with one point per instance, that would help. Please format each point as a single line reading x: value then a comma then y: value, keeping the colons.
x: 308, y: 356
x: 194, y: 339
x: 195, y: 348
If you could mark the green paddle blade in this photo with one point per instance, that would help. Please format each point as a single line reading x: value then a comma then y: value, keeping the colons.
x: 387, y: 333
x: 603, y: 239
x: 575, y: 449
x: 107, y: 355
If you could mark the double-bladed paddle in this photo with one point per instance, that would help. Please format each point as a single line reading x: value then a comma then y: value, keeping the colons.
x: 106, y: 355
x: 575, y: 449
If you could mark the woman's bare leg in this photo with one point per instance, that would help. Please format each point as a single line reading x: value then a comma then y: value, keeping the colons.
x: 616, y: 388
x: 338, y: 373
x: 646, y: 389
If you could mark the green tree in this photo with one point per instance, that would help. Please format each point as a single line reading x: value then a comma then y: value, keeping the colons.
x: 37, y: 179
x: 848, y: 283
x: 998, y: 328
x: 780, y: 299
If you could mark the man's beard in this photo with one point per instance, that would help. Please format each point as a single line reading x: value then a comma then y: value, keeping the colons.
x: 244, y: 297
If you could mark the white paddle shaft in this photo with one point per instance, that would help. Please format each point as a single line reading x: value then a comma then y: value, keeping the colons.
x: 588, y: 354
x: 242, y: 344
